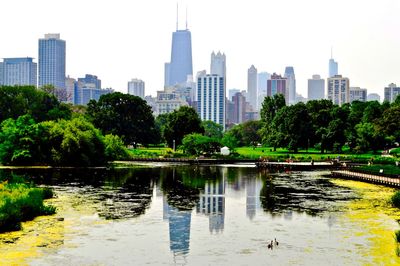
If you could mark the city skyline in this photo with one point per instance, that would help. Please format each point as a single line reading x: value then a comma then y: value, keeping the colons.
x: 126, y: 46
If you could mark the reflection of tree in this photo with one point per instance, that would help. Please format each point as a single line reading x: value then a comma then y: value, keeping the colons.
x: 301, y: 192
x: 181, y: 195
x: 267, y: 196
x: 116, y: 193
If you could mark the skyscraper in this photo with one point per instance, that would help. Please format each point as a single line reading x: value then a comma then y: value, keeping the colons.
x: 52, y: 61
x: 316, y: 88
x: 339, y: 89
x: 1, y: 73
x: 391, y: 92
x: 357, y: 94
x: 90, y: 79
x: 180, y: 67
x: 211, y: 98
x: 19, y: 71
x: 262, y: 81
x: 277, y: 84
x: 218, y: 64
x: 136, y: 87
x: 252, y: 86
x: 333, y: 67
x: 239, y: 108
x: 291, y: 85
x: 71, y: 86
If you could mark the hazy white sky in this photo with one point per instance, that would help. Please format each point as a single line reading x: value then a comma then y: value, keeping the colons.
x: 123, y: 39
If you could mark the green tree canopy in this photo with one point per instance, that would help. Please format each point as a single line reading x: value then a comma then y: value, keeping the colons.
x: 20, y: 141
x: 270, y: 107
x: 126, y: 116
x: 212, y: 129
x: 16, y: 101
x: 196, y: 144
x: 292, y: 127
x: 181, y: 122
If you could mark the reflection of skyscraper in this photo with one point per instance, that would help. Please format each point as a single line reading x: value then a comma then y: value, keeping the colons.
x: 212, y: 204
x: 251, y: 198
x: 179, y: 228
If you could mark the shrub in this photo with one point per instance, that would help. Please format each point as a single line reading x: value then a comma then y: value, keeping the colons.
x: 115, y: 148
x: 397, y: 236
x: 396, y: 199
x: 19, y: 202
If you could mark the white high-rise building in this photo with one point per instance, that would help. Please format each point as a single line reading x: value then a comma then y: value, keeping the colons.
x: 358, y: 94
x: 136, y: 87
x: 262, y: 81
x: 218, y: 64
x: 211, y: 98
x: 339, y: 89
x: 19, y: 71
x: 71, y: 86
x: 316, y: 88
x: 1, y: 73
x: 391, y: 92
x: 291, y: 85
x: 252, y: 86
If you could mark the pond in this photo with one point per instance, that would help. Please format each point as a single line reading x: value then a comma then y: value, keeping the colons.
x: 204, y: 215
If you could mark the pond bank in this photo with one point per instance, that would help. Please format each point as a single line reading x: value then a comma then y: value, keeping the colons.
x: 376, y: 219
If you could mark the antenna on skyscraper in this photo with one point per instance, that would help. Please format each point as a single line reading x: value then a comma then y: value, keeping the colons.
x: 177, y: 13
x: 186, y: 19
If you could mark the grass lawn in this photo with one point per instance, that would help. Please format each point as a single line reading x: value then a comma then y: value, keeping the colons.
x: 267, y: 152
x: 302, y: 155
x: 154, y: 152
x: 376, y: 168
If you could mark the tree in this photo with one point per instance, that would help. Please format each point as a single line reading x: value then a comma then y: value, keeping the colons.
x: 181, y: 122
x: 124, y: 115
x: 212, y: 129
x: 61, y: 94
x: 390, y: 123
x: 250, y: 134
x: 368, y: 137
x: 270, y: 107
x: 21, y: 100
x: 230, y: 140
x: 372, y: 112
x: 292, y: 127
x: 74, y: 142
x: 161, y: 122
x: 114, y: 148
x: 20, y: 142
x: 320, y: 114
x: 196, y: 144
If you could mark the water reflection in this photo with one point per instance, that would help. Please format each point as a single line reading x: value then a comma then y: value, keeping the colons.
x: 310, y: 193
x: 212, y: 203
x: 242, y: 198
